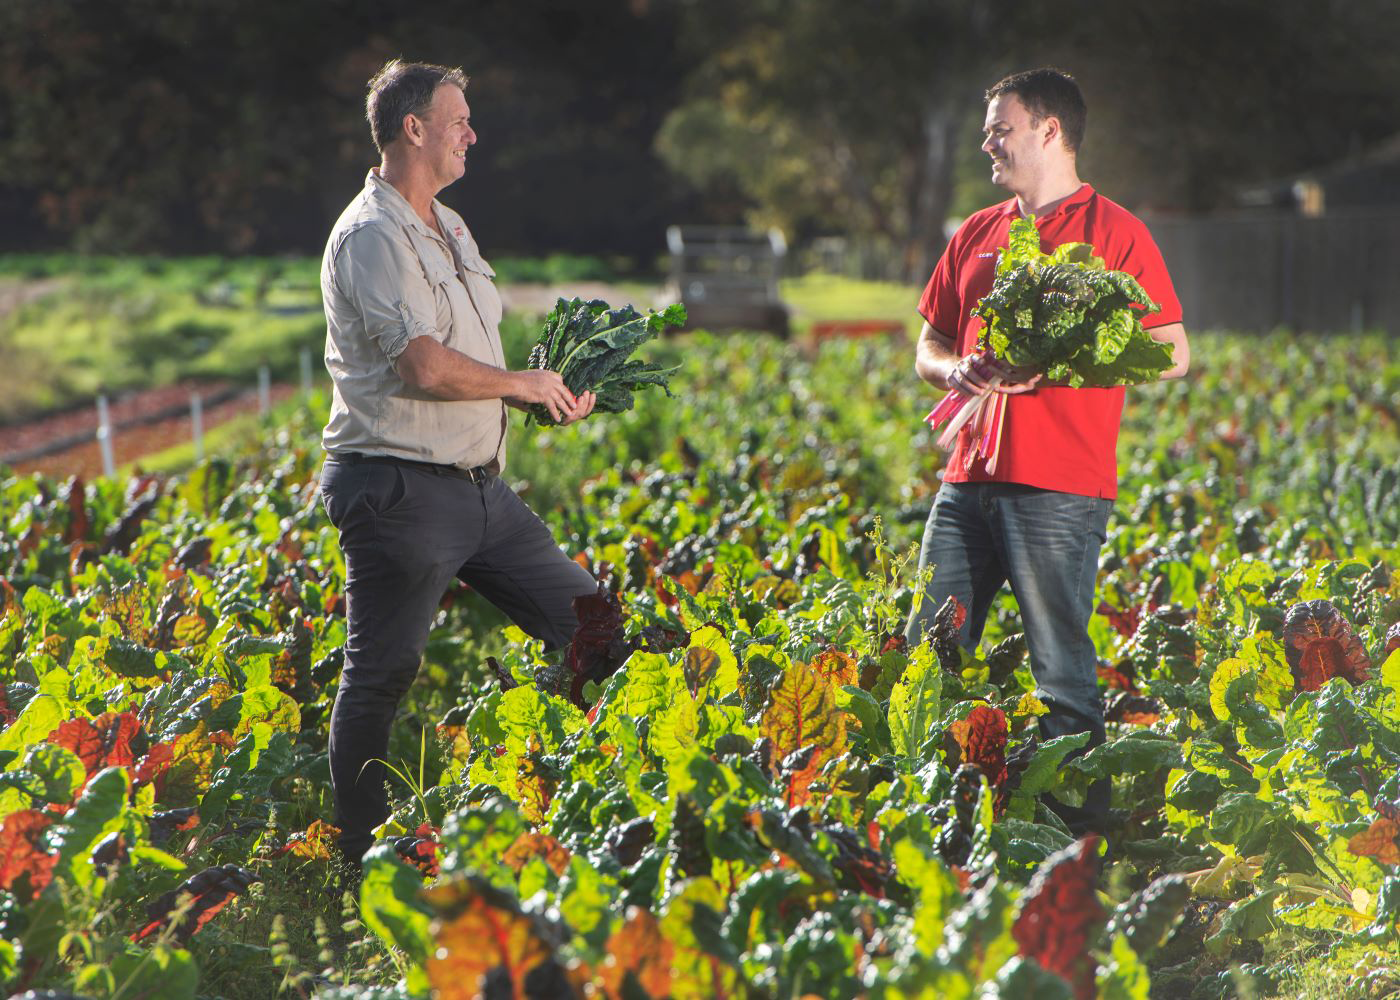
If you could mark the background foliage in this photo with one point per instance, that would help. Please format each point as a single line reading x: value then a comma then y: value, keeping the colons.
x: 222, y: 127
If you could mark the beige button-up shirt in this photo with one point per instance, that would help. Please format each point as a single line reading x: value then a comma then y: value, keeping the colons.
x: 386, y: 278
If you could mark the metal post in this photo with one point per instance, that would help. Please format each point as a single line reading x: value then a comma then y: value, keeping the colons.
x: 104, y: 437
x: 264, y: 390
x: 305, y: 370
x: 197, y: 425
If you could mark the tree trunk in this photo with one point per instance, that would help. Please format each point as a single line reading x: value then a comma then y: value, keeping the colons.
x: 933, y: 186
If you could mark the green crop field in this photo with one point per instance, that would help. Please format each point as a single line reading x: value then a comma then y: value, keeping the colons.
x: 81, y: 325
x: 761, y: 793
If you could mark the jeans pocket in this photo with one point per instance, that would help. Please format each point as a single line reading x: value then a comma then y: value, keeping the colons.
x: 385, y: 489
x: 1096, y: 523
x: 338, y: 485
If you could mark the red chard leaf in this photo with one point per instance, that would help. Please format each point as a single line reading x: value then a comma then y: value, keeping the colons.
x: 1320, y: 644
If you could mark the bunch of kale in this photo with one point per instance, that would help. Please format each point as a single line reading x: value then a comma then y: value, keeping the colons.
x: 1066, y: 316
x: 590, y: 345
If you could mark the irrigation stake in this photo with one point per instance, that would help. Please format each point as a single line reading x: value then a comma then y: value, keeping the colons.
x: 104, y: 437
x: 264, y: 390
x: 197, y: 425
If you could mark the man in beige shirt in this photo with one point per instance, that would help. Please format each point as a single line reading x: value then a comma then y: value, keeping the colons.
x: 416, y: 437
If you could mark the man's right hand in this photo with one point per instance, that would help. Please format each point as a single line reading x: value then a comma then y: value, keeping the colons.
x: 546, y: 388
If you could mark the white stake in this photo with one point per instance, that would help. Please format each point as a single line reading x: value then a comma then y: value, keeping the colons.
x: 197, y: 425
x: 104, y: 437
x: 264, y: 390
x: 305, y: 370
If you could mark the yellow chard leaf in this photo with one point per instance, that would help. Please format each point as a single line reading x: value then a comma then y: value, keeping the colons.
x: 710, y: 667
x: 802, y: 712
x: 675, y: 730
x: 1262, y: 659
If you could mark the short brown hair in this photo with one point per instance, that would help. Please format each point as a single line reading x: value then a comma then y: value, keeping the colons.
x: 1048, y: 93
x: 404, y: 88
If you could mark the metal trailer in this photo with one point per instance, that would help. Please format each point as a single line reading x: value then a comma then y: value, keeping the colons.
x: 727, y: 276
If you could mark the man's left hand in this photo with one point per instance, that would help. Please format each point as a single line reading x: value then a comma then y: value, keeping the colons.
x: 583, y: 406
x: 1014, y: 378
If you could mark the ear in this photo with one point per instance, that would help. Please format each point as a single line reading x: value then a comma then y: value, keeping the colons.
x: 1053, y: 132
x: 413, y: 129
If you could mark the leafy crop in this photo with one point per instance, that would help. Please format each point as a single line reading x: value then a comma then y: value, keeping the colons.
x: 1066, y: 315
x: 737, y: 781
x: 589, y: 344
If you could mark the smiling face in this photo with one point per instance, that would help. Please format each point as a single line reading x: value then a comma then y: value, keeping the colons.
x: 1017, y: 143
x: 444, y: 134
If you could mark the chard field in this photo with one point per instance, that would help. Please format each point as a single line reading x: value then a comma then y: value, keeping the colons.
x: 737, y: 782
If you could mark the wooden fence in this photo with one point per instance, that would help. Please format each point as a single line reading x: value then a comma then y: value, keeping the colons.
x: 1260, y: 271
x: 1251, y: 271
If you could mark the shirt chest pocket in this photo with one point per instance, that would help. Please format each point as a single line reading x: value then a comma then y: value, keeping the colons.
x: 481, y: 285
x: 441, y: 277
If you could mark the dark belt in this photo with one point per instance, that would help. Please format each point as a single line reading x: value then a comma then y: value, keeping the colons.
x: 478, y: 474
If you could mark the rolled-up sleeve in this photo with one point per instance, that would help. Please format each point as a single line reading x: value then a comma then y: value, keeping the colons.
x: 377, y: 270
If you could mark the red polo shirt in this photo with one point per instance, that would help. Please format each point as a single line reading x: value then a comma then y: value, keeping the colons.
x: 1055, y: 438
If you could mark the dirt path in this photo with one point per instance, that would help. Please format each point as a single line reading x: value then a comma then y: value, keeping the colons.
x: 129, y: 443
x: 15, y: 292
x: 65, y: 444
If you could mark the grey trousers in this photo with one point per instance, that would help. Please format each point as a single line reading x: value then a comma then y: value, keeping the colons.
x: 406, y: 531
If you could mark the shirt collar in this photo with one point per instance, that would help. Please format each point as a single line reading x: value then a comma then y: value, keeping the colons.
x: 388, y: 195
x: 1073, y: 202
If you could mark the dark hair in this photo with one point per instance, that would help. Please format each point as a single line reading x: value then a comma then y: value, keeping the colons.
x: 1048, y: 93
x: 404, y: 88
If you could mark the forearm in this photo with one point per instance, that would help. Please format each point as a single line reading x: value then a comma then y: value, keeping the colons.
x: 1175, y: 335
x: 934, y: 359
x: 450, y: 375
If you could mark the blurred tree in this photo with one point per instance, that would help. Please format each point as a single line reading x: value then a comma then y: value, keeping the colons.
x: 828, y: 116
x: 151, y: 125
x: 822, y: 116
x: 1193, y: 100
x: 214, y: 125
x: 235, y: 125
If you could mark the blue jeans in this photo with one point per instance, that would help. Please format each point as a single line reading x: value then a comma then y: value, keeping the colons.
x: 1046, y: 544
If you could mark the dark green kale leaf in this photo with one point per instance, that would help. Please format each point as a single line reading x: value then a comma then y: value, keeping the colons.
x: 590, y: 345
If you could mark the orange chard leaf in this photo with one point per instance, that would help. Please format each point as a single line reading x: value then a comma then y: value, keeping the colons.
x: 1114, y: 679
x: 152, y: 767
x: 314, y: 843
x: 537, y: 845
x: 836, y: 668
x: 480, y: 933
x: 1380, y: 842
x: 103, y: 742
x: 981, y: 738
x: 638, y: 951
x: 802, y: 712
x: 802, y: 715
x: 22, y: 861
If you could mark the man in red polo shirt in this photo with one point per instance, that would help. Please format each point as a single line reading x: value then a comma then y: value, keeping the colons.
x: 1038, y: 521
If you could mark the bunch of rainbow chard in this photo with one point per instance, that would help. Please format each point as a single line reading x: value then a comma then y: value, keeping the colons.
x: 590, y: 345
x: 1064, y: 316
